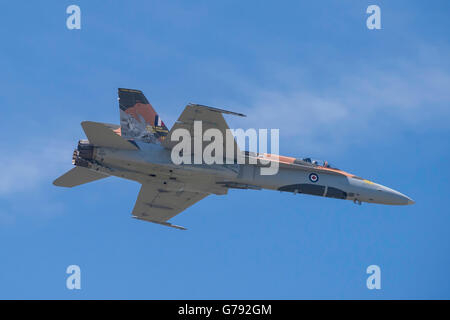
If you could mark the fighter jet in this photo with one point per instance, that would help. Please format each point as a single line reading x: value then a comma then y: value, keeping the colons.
x: 140, y: 149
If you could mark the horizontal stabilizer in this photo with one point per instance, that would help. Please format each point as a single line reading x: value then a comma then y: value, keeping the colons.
x: 101, y: 135
x: 77, y: 176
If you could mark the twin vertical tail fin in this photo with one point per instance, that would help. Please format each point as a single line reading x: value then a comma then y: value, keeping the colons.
x: 77, y: 176
x: 138, y: 119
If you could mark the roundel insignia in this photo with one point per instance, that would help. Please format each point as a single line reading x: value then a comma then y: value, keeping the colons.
x: 313, y: 177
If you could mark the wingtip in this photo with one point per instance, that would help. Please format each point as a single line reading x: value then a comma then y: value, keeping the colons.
x: 57, y: 182
x: 218, y: 110
x: 163, y: 223
x: 85, y: 122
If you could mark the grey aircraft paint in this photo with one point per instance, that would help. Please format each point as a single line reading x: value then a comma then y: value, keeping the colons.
x: 137, y: 151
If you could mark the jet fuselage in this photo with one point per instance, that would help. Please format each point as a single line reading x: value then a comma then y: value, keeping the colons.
x: 152, y: 163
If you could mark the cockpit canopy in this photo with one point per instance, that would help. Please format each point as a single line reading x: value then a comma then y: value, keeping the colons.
x: 318, y: 163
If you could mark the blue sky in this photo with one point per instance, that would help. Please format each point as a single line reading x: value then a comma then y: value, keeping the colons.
x: 374, y: 103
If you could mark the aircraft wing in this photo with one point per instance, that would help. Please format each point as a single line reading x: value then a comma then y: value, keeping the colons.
x: 158, y: 205
x: 210, y: 117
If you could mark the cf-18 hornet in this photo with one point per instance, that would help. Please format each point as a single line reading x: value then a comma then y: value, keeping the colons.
x: 141, y: 149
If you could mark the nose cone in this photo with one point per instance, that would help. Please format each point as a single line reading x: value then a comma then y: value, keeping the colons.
x: 368, y: 191
x: 391, y: 196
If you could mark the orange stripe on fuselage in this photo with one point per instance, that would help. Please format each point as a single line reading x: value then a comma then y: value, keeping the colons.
x: 337, y: 171
x: 290, y: 160
x: 282, y: 159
